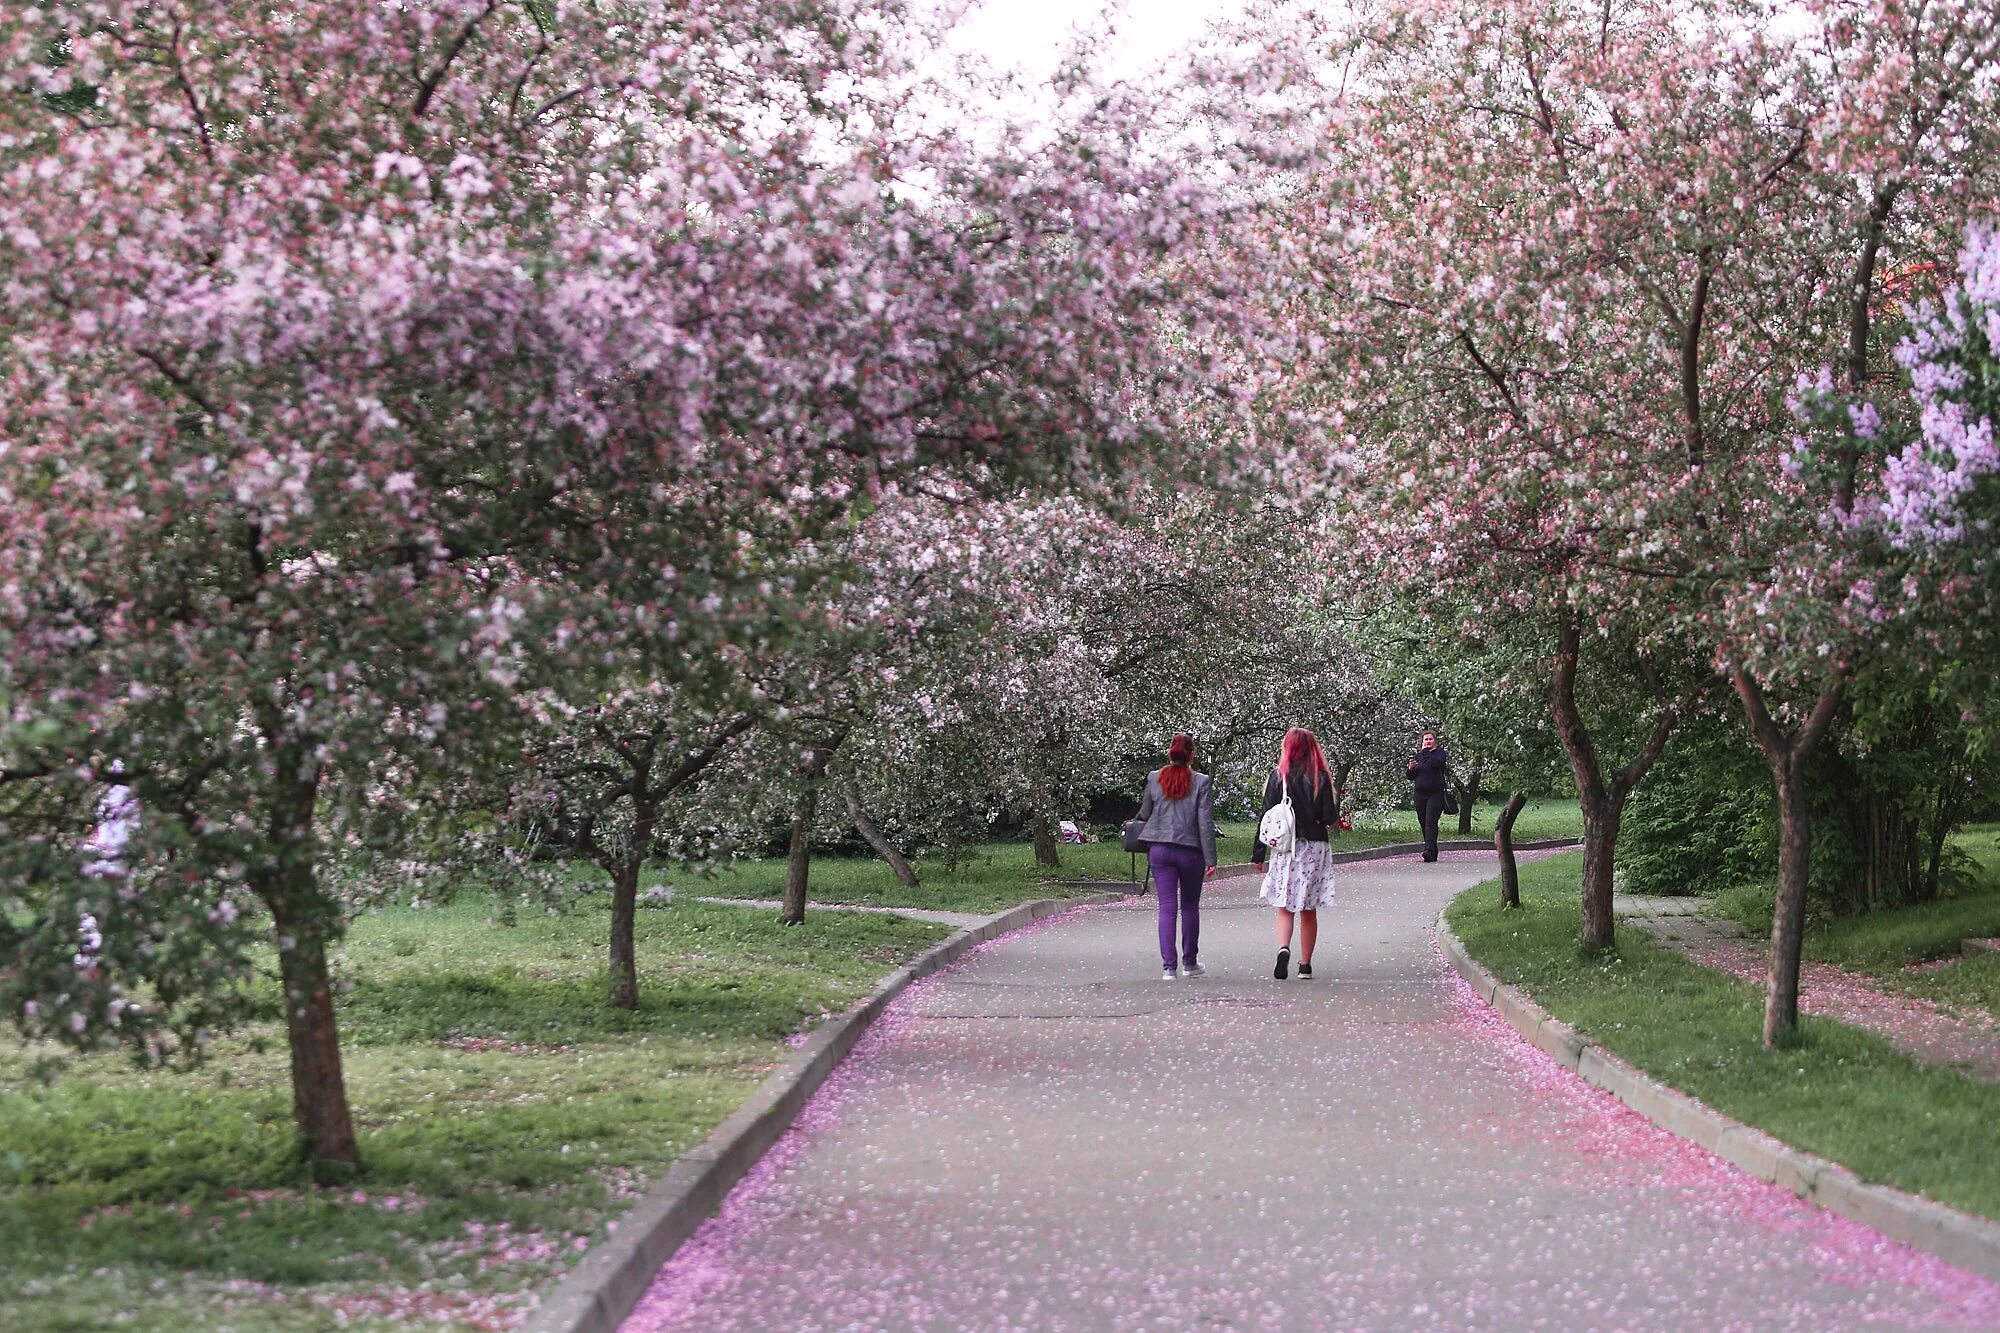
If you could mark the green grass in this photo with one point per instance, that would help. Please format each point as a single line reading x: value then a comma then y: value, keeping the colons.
x: 996, y: 876
x: 1842, y: 1093
x: 1884, y: 945
x: 502, y: 1104
x: 1543, y: 817
x: 987, y: 879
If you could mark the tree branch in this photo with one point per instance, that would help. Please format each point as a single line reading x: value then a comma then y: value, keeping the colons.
x: 428, y: 88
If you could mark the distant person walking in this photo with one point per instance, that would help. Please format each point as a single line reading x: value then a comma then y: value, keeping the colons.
x: 1177, y: 818
x: 1299, y: 882
x: 1430, y: 771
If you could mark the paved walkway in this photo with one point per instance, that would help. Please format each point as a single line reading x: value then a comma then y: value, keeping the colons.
x: 1967, y: 1042
x: 1048, y: 1137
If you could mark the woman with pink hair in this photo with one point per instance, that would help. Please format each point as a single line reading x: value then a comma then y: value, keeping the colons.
x: 1299, y: 879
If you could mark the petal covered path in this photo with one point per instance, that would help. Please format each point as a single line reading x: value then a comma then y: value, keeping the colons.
x: 1047, y: 1136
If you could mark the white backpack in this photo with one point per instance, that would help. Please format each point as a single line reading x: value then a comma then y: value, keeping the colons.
x: 1278, y: 829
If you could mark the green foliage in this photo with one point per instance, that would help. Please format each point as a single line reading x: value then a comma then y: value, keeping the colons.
x: 1705, y: 820
x: 1842, y: 1093
x: 1701, y: 820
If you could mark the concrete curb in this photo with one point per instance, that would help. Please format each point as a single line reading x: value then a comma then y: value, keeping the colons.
x: 1971, y: 1243
x: 597, y: 1295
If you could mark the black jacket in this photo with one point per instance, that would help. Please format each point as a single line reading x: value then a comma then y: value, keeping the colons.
x: 1432, y: 772
x: 1313, y: 813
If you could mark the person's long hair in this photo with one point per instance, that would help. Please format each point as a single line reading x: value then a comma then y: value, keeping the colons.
x: 1301, y: 754
x: 1177, y: 778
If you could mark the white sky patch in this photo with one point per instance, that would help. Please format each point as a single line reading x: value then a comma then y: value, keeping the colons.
x: 1031, y: 35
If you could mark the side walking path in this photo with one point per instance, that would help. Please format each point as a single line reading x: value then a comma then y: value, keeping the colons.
x: 1966, y: 1041
x: 1047, y: 1136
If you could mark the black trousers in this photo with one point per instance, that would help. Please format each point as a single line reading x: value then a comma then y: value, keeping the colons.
x: 1430, y: 809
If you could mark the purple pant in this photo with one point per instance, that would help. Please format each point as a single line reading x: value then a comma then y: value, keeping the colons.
x: 1177, y: 874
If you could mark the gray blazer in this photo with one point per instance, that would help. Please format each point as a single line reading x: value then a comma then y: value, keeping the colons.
x: 1188, y: 822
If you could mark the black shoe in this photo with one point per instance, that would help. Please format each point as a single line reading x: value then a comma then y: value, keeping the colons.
x: 1284, y: 966
x: 1305, y: 971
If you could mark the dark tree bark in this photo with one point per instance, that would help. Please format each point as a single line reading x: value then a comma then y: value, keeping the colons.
x: 905, y: 874
x: 805, y: 809
x: 798, y: 861
x: 319, y: 1087
x: 1949, y: 800
x: 623, y: 952
x: 1787, y: 753
x: 1468, y: 796
x: 623, y: 861
x: 624, y: 957
x: 1340, y: 771
x: 305, y: 923
x: 1503, y: 843
x: 1046, y: 852
x: 1602, y: 796
x: 1602, y: 819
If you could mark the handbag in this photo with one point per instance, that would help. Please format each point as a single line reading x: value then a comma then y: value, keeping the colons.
x: 1450, y: 803
x: 1133, y: 842
x: 1278, y: 829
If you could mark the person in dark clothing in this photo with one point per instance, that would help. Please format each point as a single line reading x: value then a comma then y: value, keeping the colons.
x: 1299, y: 879
x: 1430, y: 771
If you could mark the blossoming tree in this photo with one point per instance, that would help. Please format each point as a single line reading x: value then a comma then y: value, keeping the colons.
x: 1574, y: 255
x: 347, y: 354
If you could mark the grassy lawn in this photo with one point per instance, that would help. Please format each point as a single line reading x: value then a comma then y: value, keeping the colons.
x: 987, y: 879
x: 506, y: 1113
x: 1543, y: 817
x: 998, y: 875
x: 1842, y: 1093
x: 1886, y: 945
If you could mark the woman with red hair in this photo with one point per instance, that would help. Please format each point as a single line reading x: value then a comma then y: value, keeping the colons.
x: 1177, y: 821
x: 1299, y: 880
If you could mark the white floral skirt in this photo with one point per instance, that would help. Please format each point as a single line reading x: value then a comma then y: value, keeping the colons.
x: 1302, y: 881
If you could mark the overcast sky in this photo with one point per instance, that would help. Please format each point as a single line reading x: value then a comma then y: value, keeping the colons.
x: 1030, y: 34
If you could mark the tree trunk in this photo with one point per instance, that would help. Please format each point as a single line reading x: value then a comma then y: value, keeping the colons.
x: 1786, y: 753
x: 303, y: 924
x: 798, y: 862
x: 319, y: 1087
x: 624, y: 912
x: 1340, y: 772
x: 625, y: 902
x: 1469, y: 796
x: 1046, y: 852
x: 1601, y: 796
x: 871, y: 835
x: 1788, y: 914
x: 1601, y: 822
x: 1947, y: 816
x: 1503, y: 843
x: 305, y: 921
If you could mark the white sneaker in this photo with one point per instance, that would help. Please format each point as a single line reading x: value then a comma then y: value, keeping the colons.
x: 1193, y: 970
x: 1167, y: 974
